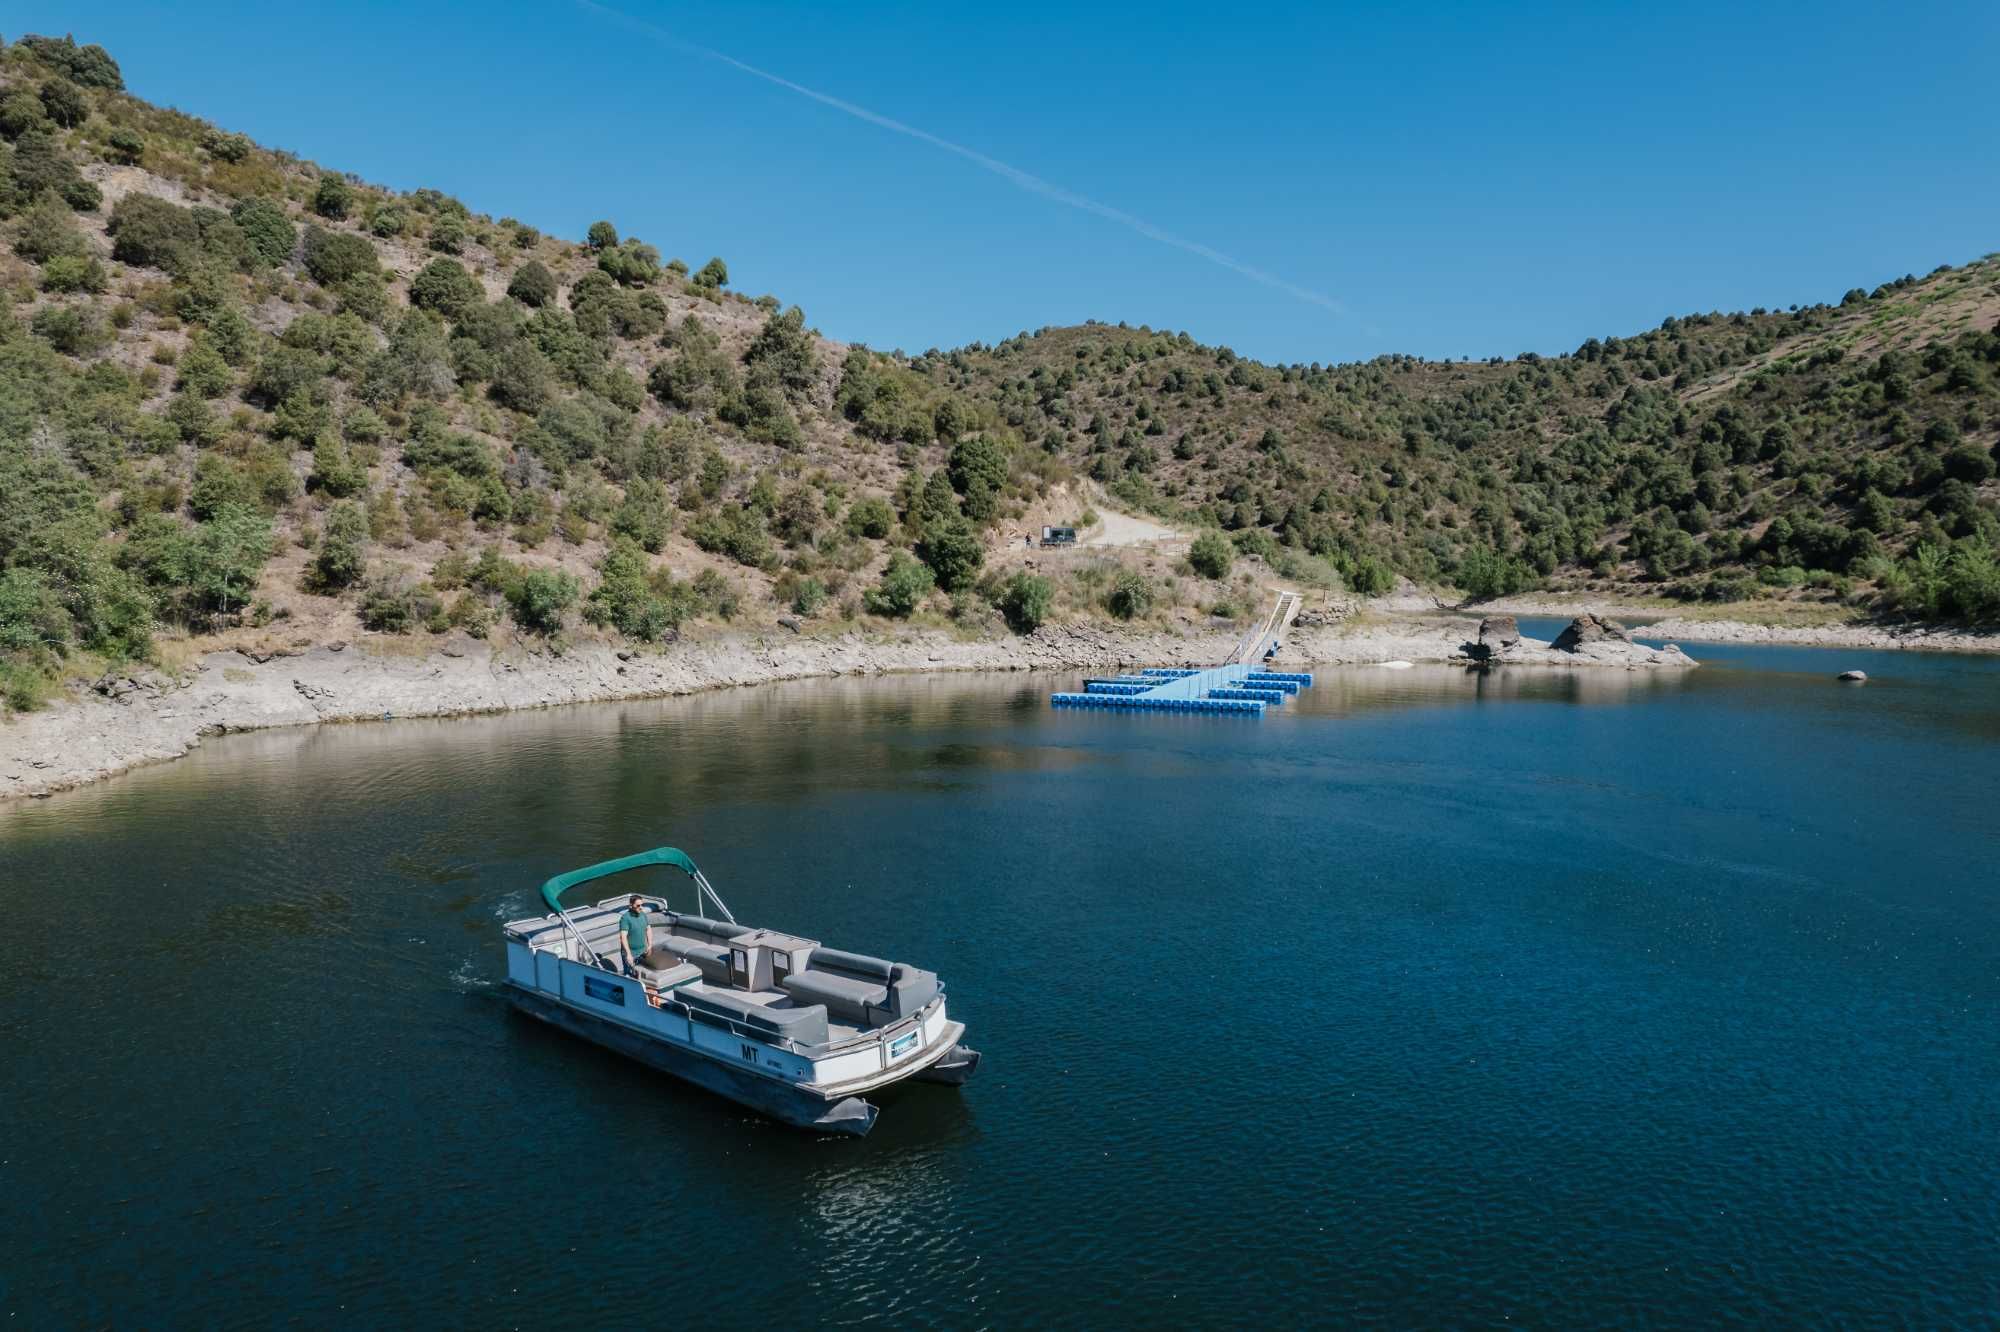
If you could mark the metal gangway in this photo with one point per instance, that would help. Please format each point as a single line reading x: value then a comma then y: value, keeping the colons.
x: 1268, y: 634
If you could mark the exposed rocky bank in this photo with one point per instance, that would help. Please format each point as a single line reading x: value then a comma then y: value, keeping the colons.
x: 146, y: 716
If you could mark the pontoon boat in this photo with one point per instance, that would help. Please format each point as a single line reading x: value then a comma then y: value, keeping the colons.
x: 782, y: 1024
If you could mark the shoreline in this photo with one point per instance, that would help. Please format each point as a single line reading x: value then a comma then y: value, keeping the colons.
x: 140, y: 716
x: 1674, y: 624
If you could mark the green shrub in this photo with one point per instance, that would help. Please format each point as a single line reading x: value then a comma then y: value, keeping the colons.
x: 126, y: 146
x: 387, y: 220
x: 733, y: 531
x: 642, y: 514
x: 64, y: 103
x: 41, y: 164
x: 223, y: 558
x: 633, y: 263
x: 808, y: 595
x: 225, y: 147
x: 31, y: 614
x: 783, y: 349
x: 333, y: 197
x: 1483, y: 572
x: 1211, y: 555
x: 343, y: 548
x: 1788, y: 575
x: 905, y: 584
x: 539, y: 597
x: 74, y: 330
x: 533, y: 285
x: 334, y: 470
x: 443, y: 285
x: 448, y: 235
x: 269, y: 230
x: 73, y: 273
x: 1025, y: 602
x: 152, y: 233
x: 601, y: 236
x: 20, y: 112
x: 395, y: 604
x: 1968, y: 463
x: 523, y: 378
x: 975, y: 462
x: 954, y: 553
x: 1131, y: 596
x: 871, y: 517
x: 629, y: 597
x: 91, y: 66
x: 333, y: 257
x: 713, y: 276
x: 47, y: 230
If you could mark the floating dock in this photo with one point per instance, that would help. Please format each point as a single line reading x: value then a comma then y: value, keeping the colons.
x: 1235, y: 688
x: 1238, y: 686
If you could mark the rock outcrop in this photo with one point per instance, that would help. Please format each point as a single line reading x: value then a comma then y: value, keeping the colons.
x: 1497, y: 633
x: 1587, y: 629
x: 1589, y: 640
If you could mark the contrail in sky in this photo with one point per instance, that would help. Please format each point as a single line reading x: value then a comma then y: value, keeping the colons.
x: 1033, y: 184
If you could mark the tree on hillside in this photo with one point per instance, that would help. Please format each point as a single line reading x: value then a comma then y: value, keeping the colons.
x: 333, y: 197
x: 714, y: 275
x: 601, y: 236
x: 1211, y: 555
x: 533, y: 285
x: 332, y: 257
x: 343, y: 548
x: 444, y: 286
x: 270, y: 232
x: 64, y: 103
x: 92, y: 66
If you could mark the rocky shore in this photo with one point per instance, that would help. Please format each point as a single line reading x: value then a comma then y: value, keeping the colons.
x: 1914, y: 638
x: 1659, y: 623
x: 145, y: 716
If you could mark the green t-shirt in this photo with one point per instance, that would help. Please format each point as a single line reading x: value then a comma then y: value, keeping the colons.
x: 635, y: 931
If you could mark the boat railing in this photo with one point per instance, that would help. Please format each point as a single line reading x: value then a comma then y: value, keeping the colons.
x: 581, y: 942
x: 704, y: 889
x: 704, y: 894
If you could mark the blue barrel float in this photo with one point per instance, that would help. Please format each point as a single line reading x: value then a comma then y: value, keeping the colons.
x: 1233, y: 690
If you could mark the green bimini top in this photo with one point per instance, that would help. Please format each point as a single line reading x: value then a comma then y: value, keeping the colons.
x: 553, y: 890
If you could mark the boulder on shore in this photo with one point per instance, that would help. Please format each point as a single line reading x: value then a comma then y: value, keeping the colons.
x: 1497, y: 633
x: 1587, y: 629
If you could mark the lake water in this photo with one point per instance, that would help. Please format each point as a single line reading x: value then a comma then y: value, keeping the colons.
x: 1576, y: 999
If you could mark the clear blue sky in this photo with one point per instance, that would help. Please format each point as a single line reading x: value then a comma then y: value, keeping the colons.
x: 1457, y: 181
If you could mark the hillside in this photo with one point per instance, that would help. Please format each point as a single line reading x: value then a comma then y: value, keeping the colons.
x: 1715, y: 457
x: 244, y: 397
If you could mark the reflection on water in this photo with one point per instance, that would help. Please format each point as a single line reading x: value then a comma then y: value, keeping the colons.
x: 1434, y: 997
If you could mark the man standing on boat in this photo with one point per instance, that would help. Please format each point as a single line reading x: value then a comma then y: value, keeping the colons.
x: 635, y: 936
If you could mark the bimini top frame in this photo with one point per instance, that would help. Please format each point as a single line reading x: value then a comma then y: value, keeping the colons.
x: 705, y: 893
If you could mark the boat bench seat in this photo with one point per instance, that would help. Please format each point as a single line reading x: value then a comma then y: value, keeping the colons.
x: 857, y: 988
x: 664, y: 970
x: 713, y: 962
x: 718, y: 931
x: 801, y: 1026
x: 846, y: 999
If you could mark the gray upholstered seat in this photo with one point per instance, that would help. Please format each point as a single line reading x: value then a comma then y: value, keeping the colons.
x: 714, y: 929
x: 801, y: 1026
x: 846, y: 998
x: 858, y: 964
x: 663, y: 970
x: 712, y: 961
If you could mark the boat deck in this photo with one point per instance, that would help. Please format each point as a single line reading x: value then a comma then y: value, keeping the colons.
x: 691, y: 957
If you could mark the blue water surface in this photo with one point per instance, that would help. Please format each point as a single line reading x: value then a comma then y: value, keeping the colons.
x: 1558, y: 998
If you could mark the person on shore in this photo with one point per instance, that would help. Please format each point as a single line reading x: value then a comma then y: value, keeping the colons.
x: 635, y: 936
